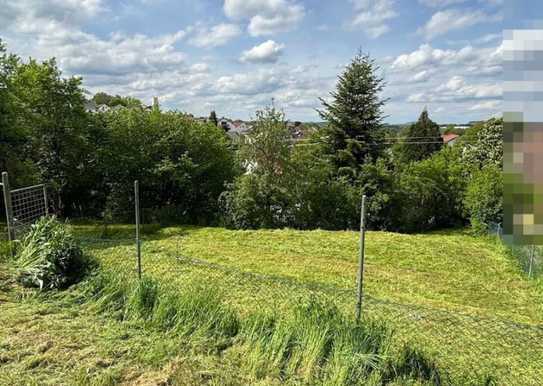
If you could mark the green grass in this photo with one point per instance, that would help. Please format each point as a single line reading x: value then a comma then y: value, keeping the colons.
x: 56, y: 340
x: 112, y: 329
x: 452, y: 271
x: 458, y: 297
x: 461, y: 297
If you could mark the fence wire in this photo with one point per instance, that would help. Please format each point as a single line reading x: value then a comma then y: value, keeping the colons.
x: 29, y: 205
x: 529, y: 257
x: 468, y: 346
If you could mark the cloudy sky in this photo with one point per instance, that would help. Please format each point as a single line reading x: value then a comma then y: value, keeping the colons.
x: 233, y: 56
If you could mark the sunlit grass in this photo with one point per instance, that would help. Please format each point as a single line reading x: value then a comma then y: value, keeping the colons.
x: 460, y: 276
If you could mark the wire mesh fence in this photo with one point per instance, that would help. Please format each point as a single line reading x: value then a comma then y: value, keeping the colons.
x: 29, y: 204
x: 529, y: 257
x: 468, y: 345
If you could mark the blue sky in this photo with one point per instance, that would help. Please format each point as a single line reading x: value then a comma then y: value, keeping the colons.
x: 233, y: 56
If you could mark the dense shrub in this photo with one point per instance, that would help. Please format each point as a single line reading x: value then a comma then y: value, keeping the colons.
x: 428, y: 194
x: 182, y: 165
x: 377, y: 180
x: 483, y: 201
x: 483, y: 145
x: 49, y: 257
x: 304, y: 193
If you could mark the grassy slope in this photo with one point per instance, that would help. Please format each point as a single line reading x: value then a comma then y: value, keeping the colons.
x: 451, y: 272
x: 440, y: 284
x: 55, y: 341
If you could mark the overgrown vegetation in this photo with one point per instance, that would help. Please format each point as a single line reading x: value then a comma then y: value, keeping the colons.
x: 48, y: 257
x: 309, y: 342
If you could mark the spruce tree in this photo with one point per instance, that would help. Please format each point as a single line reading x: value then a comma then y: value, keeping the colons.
x: 420, y: 140
x: 354, y: 116
x: 213, y: 118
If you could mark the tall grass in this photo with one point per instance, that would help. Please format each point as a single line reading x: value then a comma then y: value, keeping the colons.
x: 188, y: 311
x: 314, y: 344
x: 48, y: 257
x: 310, y: 343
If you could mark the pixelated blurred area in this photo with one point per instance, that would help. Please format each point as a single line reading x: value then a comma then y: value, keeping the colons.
x: 523, y: 136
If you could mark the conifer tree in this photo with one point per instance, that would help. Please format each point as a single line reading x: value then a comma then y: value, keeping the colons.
x: 213, y: 118
x: 420, y: 141
x: 354, y: 116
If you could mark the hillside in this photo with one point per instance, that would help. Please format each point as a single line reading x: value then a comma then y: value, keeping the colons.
x: 459, y: 297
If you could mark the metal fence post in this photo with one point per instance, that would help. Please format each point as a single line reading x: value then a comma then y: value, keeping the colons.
x: 9, y: 207
x: 532, y: 251
x: 137, y: 207
x: 45, y: 201
x: 360, y: 288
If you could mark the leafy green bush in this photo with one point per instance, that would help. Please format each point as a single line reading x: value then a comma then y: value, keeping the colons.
x: 428, y: 194
x: 49, y: 257
x: 484, y: 198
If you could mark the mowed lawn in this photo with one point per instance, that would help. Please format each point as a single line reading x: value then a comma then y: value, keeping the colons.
x: 460, y: 297
x: 451, y: 271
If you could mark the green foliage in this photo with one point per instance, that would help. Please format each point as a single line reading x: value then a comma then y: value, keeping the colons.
x: 266, y: 147
x: 484, y: 198
x: 259, y: 198
x: 287, y: 186
x: 103, y: 98
x: 51, y: 112
x: 182, y: 165
x: 49, y: 257
x: 13, y: 154
x: 482, y: 156
x: 428, y: 194
x: 425, y: 131
x: 213, y: 118
x: 483, y: 145
x: 377, y: 180
x: 354, y: 115
x: 318, y: 197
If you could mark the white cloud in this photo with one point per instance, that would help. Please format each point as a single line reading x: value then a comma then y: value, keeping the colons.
x: 421, y: 76
x: 488, y: 105
x: 445, y: 3
x: 425, y: 55
x: 266, y: 17
x: 30, y: 15
x: 86, y: 53
x: 215, y: 36
x: 440, y: 3
x: 457, y: 89
x: 249, y: 83
x: 442, y: 22
x: 267, y: 52
x: 488, y: 38
x: 372, y: 16
x: 199, y: 67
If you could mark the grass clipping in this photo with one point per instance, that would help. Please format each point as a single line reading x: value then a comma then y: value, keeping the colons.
x: 49, y: 257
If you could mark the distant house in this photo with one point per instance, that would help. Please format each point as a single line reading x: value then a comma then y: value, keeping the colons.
x: 450, y: 139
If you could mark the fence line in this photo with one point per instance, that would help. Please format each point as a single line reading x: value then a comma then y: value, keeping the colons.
x: 507, y: 349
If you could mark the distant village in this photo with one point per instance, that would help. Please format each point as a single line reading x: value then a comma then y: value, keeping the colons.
x: 102, y: 102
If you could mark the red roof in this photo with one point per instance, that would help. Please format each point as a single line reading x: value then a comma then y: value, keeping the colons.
x: 449, y: 137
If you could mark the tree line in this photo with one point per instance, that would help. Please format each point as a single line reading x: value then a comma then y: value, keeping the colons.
x: 193, y: 172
